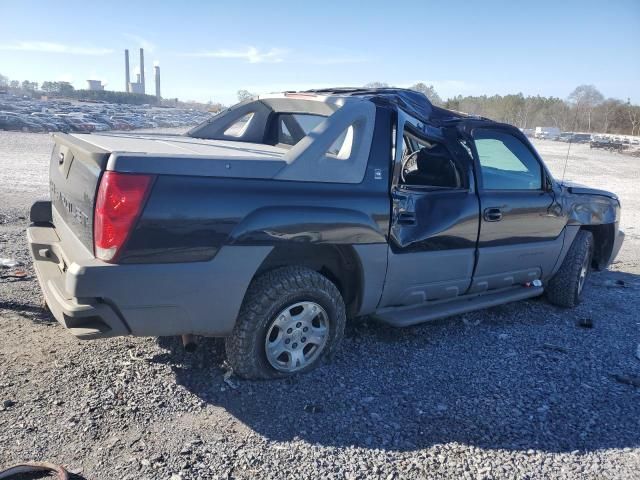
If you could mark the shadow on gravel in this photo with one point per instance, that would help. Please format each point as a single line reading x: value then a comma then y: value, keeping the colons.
x: 34, y: 312
x: 518, y: 377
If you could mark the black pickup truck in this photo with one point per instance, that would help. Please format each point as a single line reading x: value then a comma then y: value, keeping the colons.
x: 276, y: 220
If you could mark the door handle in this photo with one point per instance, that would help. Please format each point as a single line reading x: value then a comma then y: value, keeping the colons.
x: 406, y: 218
x: 493, y: 214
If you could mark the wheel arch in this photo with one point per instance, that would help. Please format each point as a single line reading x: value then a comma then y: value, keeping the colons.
x: 603, y: 241
x: 341, y: 264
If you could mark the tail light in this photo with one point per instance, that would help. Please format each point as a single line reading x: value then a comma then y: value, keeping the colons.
x: 121, y: 197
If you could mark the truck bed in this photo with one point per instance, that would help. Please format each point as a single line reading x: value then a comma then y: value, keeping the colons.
x: 167, y: 144
x: 78, y: 161
x: 180, y: 155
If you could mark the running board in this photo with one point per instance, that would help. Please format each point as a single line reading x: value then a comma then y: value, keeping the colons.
x: 414, y: 314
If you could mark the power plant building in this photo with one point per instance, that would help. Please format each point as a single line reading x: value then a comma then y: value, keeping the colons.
x: 157, y: 77
x: 126, y: 72
x: 139, y: 85
x: 95, y: 85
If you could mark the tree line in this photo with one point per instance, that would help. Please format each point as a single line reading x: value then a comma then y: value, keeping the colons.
x: 584, y: 110
x: 574, y: 114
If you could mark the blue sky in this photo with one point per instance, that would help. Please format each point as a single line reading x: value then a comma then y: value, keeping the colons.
x: 208, y: 50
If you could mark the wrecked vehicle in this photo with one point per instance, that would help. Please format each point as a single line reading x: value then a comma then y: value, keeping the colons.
x: 273, y: 222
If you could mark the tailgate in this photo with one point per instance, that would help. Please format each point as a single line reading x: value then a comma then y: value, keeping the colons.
x: 74, y: 173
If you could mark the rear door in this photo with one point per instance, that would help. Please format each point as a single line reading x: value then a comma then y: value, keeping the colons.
x: 521, y: 222
x: 434, y: 223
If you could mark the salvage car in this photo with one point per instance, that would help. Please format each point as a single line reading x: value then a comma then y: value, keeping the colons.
x: 278, y: 219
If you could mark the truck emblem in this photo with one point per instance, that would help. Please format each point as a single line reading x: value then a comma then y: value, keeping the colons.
x: 60, y: 158
x: 377, y: 174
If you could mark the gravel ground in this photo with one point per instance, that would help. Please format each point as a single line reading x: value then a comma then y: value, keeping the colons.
x: 517, y: 391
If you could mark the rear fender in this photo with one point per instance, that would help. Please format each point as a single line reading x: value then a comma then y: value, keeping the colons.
x: 315, y: 225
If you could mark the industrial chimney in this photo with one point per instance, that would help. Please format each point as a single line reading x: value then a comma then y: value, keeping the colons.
x: 142, y: 69
x: 157, y: 75
x: 127, y: 88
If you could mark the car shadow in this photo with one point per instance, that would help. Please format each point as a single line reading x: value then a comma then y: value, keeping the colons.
x: 520, y: 376
x: 36, y: 313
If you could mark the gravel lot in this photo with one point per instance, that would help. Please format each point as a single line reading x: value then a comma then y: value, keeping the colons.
x: 518, y: 391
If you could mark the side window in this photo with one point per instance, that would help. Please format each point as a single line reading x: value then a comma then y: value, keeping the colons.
x: 506, y: 162
x: 427, y: 163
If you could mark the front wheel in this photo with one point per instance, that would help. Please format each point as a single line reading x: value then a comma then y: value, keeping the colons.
x: 291, y: 319
x: 566, y: 287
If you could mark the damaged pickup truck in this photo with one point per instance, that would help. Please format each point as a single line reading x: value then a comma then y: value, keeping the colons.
x: 276, y: 220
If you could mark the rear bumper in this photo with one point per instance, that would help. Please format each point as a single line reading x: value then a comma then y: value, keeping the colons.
x: 87, y: 318
x: 94, y: 299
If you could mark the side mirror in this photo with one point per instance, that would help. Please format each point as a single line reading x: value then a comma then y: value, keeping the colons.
x: 548, y: 184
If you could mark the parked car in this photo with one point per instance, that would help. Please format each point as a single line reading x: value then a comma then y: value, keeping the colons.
x: 275, y: 221
x: 58, y: 124
x: 566, y: 137
x: 51, y: 115
x: 15, y: 122
x: 581, y: 137
x: 547, y: 133
x: 607, y: 144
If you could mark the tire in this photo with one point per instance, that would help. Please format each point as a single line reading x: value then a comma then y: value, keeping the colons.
x: 279, y: 307
x: 567, y: 285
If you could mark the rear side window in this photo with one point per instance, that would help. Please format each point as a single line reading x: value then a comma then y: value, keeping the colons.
x: 293, y: 127
x: 506, y: 162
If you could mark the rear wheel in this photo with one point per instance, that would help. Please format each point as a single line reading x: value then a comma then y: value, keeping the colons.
x: 291, y: 319
x: 566, y: 287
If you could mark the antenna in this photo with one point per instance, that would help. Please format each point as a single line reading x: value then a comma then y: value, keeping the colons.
x: 566, y: 160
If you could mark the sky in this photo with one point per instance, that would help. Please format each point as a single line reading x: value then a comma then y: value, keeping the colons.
x: 208, y: 50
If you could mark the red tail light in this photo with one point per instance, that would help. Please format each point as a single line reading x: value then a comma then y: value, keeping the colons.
x: 121, y: 197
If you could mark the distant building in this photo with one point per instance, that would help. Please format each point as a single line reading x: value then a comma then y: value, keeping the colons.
x: 136, y: 87
x: 157, y: 75
x: 95, y: 85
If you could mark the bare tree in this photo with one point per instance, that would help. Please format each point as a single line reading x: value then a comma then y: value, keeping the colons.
x: 607, y: 108
x: 634, y: 118
x: 245, y: 95
x: 586, y: 98
x: 4, y: 81
x: 429, y: 91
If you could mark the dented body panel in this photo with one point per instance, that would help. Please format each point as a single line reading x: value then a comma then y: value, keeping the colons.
x: 589, y: 206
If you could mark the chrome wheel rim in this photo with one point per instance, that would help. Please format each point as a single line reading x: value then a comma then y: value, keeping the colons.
x: 297, y: 336
x: 584, y: 270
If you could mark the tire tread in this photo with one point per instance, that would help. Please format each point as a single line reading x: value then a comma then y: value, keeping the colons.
x: 562, y: 289
x: 244, y: 346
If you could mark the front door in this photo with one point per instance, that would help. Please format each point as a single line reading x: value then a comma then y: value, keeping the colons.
x: 434, y: 224
x: 520, y: 222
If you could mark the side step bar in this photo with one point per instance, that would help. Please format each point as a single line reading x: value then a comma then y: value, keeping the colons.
x: 414, y: 314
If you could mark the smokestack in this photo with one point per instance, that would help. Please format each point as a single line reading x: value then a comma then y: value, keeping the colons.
x: 142, y: 69
x: 126, y: 71
x: 157, y: 74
